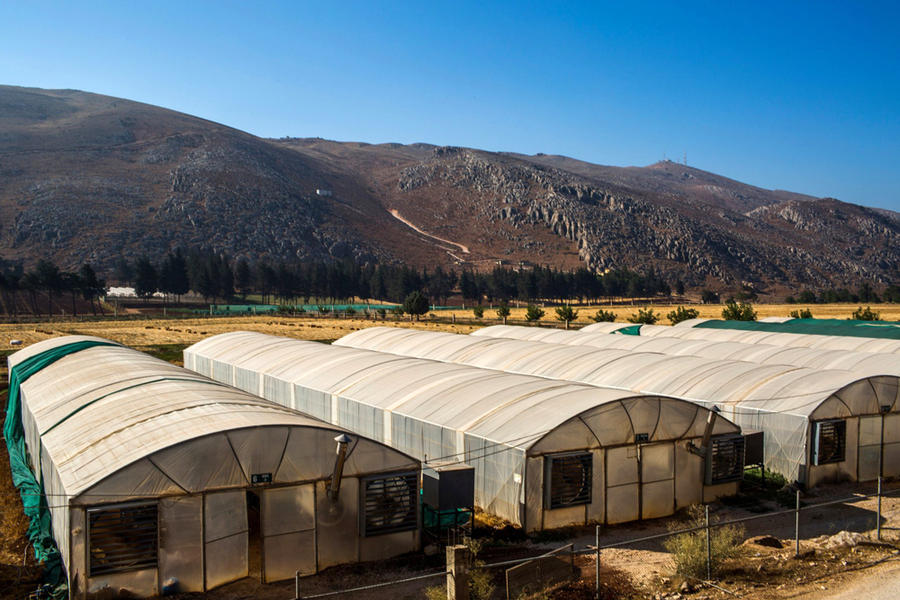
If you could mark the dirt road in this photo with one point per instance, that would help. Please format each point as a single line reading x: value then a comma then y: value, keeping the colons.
x: 878, y: 583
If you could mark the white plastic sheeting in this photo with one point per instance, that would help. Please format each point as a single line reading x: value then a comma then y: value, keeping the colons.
x: 502, y: 424
x: 686, y: 330
x: 780, y: 400
x: 862, y: 363
x: 108, y: 424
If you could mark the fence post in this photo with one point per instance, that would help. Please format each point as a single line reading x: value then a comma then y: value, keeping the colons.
x: 878, y: 522
x: 296, y: 585
x: 708, y: 550
x: 597, y: 562
x: 797, y: 527
x: 457, y: 572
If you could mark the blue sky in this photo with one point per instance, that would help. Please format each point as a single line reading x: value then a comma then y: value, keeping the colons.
x: 790, y: 95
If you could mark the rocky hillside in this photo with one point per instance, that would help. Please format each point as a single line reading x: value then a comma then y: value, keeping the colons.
x: 91, y: 178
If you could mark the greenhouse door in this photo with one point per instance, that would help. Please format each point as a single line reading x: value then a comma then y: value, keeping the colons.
x: 623, y: 500
x: 657, y: 479
x: 879, y: 447
x: 288, y: 520
x: 225, y: 537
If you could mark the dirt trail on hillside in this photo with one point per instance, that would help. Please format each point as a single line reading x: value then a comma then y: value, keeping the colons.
x: 396, y: 215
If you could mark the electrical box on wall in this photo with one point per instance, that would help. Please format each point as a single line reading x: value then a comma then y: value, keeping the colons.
x: 448, y: 487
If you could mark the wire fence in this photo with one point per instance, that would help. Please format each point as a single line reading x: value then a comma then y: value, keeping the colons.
x: 536, y: 579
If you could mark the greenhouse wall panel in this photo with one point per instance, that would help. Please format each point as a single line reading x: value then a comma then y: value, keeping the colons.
x: 128, y: 447
x: 493, y: 421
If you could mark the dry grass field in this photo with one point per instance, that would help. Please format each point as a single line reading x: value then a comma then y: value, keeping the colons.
x: 158, y: 335
x: 889, y: 312
x: 166, y: 337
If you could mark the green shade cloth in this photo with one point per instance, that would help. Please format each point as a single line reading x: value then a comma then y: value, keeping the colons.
x: 32, y: 491
x: 629, y: 330
x: 839, y: 327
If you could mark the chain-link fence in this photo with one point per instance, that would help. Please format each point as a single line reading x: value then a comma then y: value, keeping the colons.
x: 521, y: 576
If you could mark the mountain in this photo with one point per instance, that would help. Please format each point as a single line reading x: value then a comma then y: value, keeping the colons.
x: 85, y: 177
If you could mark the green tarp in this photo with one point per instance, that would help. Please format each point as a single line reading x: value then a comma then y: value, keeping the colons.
x: 629, y: 330
x: 841, y: 327
x: 39, y: 531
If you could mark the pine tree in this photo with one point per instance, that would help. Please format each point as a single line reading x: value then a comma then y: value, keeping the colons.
x: 146, y: 278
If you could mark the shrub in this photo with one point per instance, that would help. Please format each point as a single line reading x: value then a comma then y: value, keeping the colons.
x: 534, y: 313
x: 481, y: 585
x: 503, y: 310
x: 416, y: 304
x: 803, y: 313
x: 892, y: 293
x: 436, y: 592
x: 709, y: 297
x: 398, y: 311
x: 382, y: 313
x: 566, y: 314
x: 604, y: 316
x: 807, y: 297
x: 865, y: 315
x: 688, y: 550
x: 645, y: 316
x: 682, y: 314
x: 478, y: 311
x: 734, y: 311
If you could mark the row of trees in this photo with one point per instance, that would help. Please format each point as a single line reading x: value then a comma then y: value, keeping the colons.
x: 865, y: 293
x: 216, y: 276
x: 49, y: 280
x: 213, y: 276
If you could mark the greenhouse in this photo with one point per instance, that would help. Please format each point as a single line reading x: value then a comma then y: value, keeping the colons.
x: 687, y: 330
x: 545, y: 453
x: 862, y: 363
x: 831, y: 327
x: 157, y: 479
x: 818, y: 425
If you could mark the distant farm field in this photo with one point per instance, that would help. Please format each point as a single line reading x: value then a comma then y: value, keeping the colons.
x: 167, y: 337
x: 889, y: 312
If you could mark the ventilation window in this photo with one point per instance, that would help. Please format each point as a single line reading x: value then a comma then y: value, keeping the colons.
x: 726, y: 459
x: 390, y: 504
x: 122, y: 538
x: 830, y: 441
x: 570, y: 479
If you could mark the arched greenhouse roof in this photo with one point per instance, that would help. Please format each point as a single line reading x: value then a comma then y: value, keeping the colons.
x: 107, y: 410
x: 863, y: 363
x: 689, y: 330
x: 773, y: 388
x: 513, y: 409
